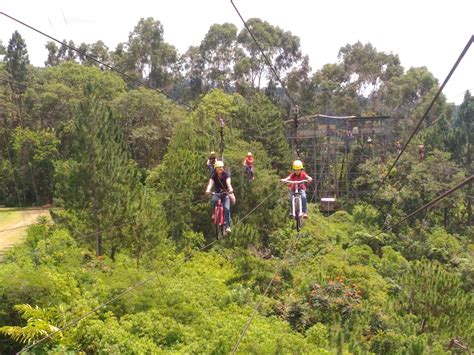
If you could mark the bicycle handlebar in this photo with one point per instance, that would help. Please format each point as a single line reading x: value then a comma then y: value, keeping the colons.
x: 294, y: 182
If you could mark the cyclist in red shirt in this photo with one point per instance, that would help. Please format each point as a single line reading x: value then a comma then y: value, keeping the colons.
x: 297, y: 175
x: 248, y: 163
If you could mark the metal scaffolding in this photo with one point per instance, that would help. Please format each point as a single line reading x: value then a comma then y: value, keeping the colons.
x: 332, y: 148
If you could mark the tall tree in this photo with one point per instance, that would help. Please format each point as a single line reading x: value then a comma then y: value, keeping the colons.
x: 94, y: 185
x: 149, y: 55
x: 34, y: 155
x: 52, y: 59
x: 217, y: 50
x: 463, y: 139
x: 98, y: 51
x: 148, y: 121
x: 2, y: 48
x: 16, y: 58
x: 281, y: 48
x: 299, y: 83
x: 194, y: 65
x: 262, y: 121
x: 357, y: 83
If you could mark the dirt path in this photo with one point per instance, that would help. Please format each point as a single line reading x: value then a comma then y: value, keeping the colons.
x: 14, y: 222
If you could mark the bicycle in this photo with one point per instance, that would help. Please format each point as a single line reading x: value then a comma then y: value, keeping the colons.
x: 249, y: 172
x: 218, y: 216
x: 296, y: 202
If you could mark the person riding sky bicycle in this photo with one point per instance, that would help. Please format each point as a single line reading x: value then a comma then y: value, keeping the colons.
x: 211, y: 161
x: 298, y: 175
x: 221, y: 182
x: 248, y: 163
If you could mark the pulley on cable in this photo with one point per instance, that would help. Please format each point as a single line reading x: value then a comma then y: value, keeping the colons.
x: 296, y: 113
x: 221, y: 122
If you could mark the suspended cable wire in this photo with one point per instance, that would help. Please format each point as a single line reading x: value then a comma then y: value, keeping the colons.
x: 123, y: 293
x: 130, y: 78
x: 129, y: 222
x: 259, y: 303
x: 433, y: 202
x: 275, y: 73
x: 464, y: 51
x: 269, y: 63
x: 428, y: 205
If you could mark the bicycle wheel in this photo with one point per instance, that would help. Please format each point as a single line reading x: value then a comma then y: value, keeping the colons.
x: 298, y: 214
x: 219, y: 221
x: 219, y: 231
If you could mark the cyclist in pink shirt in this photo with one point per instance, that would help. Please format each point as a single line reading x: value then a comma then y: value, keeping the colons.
x: 221, y: 182
x: 297, y: 175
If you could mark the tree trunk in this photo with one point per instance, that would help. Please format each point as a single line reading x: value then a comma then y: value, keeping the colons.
x: 98, y: 240
x: 138, y: 257
x: 113, y: 251
x: 469, y: 205
x: 445, y: 219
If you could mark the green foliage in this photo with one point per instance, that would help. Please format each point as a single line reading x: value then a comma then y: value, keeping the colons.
x: 414, y: 183
x: 317, y: 335
x: 280, y: 47
x: 34, y: 154
x: 107, y: 85
x: 394, y: 343
x: 338, y: 286
x: 436, y: 298
x: 336, y: 298
x: 37, y: 326
x: 148, y: 120
x: 104, y: 179
x: 442, y: 246
x: 366, y: 214
x: 260, y: 120
x: 392, y: 263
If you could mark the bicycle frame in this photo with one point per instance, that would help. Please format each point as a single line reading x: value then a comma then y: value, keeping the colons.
x: 218, y: 216
x: 249, y: 172
x: 296, y: 197
x: 219, y: 209
x: 297, y: 203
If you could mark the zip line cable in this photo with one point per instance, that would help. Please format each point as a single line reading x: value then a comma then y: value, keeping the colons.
x: 293, y: 102
x: 247, y: 325
x: 433, y: 202
x: 123, y: 293
x: 466, y: 48
x: 264, y: 55
x: 85, y: 235
x: 102, y: 305
x: 427, y: 205
x: 99, y: 61
x: 257, y: 306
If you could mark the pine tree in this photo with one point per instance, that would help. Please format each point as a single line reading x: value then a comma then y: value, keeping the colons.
x: 262, y: 121
x: 17, y: 60
x: 94, y: 185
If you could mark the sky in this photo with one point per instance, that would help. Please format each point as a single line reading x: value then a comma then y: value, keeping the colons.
x: 421, y: 32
